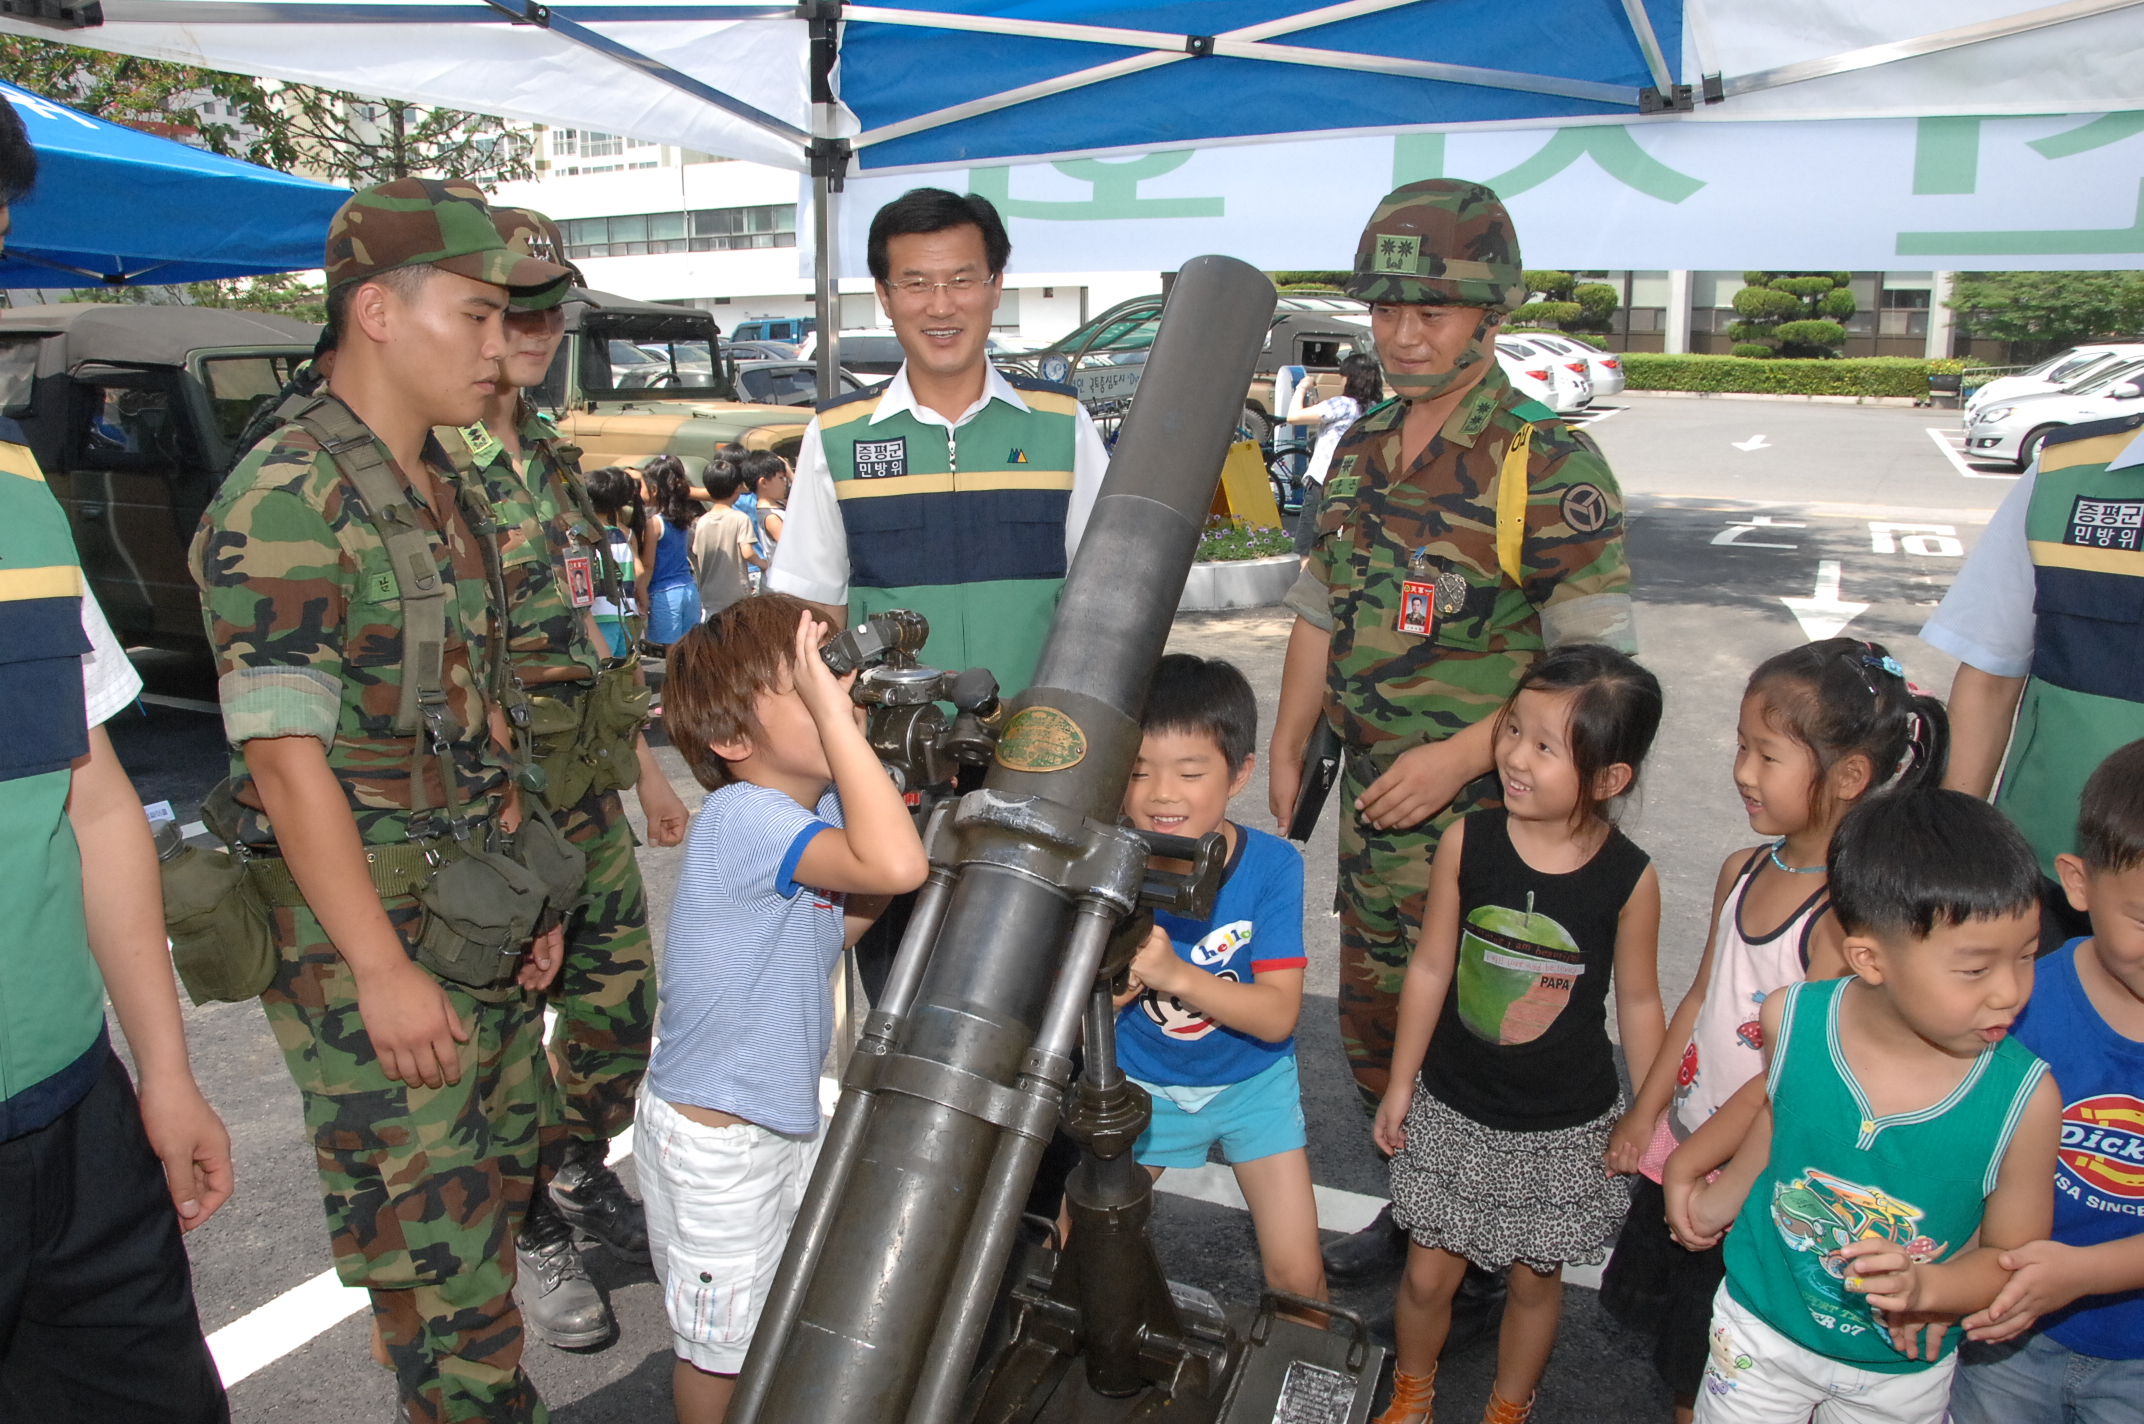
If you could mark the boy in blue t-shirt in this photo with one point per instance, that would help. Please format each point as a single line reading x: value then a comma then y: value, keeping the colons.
x: 1207, y: 1025
x: 800, y: 826
x: 2064, y: 1342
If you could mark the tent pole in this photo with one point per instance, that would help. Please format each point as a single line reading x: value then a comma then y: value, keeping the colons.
x: 824, y: 228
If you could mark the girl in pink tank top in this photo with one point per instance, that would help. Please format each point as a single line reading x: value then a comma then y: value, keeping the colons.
x: 1820, y: 727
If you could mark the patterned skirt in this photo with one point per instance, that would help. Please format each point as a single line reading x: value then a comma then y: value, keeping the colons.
x: 1496, y: 1197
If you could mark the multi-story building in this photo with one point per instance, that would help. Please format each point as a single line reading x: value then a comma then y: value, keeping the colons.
x: 662, y: 223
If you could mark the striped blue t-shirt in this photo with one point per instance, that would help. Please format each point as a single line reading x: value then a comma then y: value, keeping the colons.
x: 746, y: 1013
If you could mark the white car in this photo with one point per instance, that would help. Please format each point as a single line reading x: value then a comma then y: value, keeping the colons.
x: 2060, y: 372
x: 1557, y: 381
x: 1603, y: 368
x: 2010, y: 432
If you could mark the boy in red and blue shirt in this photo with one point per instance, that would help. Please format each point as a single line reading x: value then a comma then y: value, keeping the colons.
x: 2064, y: 1342
x: 1207, y: 1025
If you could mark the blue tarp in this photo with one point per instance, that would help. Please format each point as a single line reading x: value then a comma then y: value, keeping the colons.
x: 893, y: 73
x: 115, y: 202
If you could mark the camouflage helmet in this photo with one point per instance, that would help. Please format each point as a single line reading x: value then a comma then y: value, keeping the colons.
x: 1440, y: 242
x: 527, y: 231
x: 443, y: 223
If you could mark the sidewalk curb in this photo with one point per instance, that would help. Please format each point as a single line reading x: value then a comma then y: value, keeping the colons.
x: 1906, y: 402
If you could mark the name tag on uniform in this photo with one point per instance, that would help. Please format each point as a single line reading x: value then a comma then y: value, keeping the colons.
x: 580, y: 579
x: 881, y: 459
x: 1417, y: 600
x: 2106, y: 524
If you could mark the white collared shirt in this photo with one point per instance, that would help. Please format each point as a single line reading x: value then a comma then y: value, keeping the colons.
x: 812, y: 559
x: 1986, y: 619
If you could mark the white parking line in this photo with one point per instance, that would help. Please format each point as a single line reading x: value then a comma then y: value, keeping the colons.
x: 1942, y: 437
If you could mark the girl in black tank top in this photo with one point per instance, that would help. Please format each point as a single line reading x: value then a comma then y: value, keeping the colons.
x: 1535, y: 911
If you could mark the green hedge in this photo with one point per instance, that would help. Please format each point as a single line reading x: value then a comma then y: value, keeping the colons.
x: 1864, y: 376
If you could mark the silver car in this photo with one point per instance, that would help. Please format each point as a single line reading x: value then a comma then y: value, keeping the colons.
x: 1603, y: 368
x: 2011, y: 432
x: 1559, y: 382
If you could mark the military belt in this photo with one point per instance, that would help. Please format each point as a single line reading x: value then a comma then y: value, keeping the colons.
x: 396, y: 870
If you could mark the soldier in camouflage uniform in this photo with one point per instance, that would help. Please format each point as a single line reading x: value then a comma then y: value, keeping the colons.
x: 1415, y: 618
x: 556, y: 560
x: 426, y: 1099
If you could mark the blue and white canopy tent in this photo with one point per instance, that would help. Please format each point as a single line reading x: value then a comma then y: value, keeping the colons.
x: 117, y: 207
x: 841, y: 91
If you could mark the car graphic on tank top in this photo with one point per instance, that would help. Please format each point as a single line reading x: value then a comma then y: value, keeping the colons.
x: 1216, y: 953
x: 1516, y: 972
x: 1819, y: 1215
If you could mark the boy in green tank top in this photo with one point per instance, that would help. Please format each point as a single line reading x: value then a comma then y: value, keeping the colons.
x: 1901, y: 1141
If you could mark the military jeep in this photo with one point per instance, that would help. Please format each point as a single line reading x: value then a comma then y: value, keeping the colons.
x: 634, y: 379
x: 134, y: 413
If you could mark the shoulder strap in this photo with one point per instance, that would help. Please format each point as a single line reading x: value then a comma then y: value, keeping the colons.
x: 566, y: 471
x: 410, y: 553
x: 1511, y: 491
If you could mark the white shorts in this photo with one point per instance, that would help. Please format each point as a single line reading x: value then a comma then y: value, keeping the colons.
x: 719, y: 1203
x: 1758, y: 1376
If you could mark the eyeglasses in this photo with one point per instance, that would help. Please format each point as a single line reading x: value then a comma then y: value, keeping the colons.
x: 960, y: 288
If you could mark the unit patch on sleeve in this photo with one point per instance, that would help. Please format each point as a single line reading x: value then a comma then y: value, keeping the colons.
x: 881, y: 459
x: 2106, y: 524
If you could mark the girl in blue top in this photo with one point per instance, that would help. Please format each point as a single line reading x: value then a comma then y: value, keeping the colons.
x: 673, y: 591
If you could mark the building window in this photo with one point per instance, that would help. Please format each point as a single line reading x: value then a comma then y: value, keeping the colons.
x: 703, y: 230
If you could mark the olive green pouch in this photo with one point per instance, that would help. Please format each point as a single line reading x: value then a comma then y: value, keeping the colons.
x: 481, y: 909
x: 554, y: 732
x: 561, y: 865
x: 214, y: 913
x: 617, y: 708
x: 219, y: 926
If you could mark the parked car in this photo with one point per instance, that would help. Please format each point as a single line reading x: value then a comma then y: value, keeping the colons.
x: 876, y: 351
x: 2011, y: 432
x: 760, y: 350
x: 1557, y: 381
x: 2059, y: 372
x: 785, y: 382
x: 1603, y: 368
x: 789, y: 330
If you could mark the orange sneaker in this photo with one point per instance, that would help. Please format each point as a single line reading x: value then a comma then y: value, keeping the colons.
x: 1412, y: 1398
x: 1503, y: 1411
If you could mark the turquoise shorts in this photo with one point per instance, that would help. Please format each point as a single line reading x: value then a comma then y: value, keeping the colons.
x: 1258, y: 1117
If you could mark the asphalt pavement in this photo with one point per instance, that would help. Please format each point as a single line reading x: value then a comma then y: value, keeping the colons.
x: 1754, y: 525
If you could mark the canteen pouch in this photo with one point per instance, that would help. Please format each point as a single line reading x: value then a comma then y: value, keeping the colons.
x: 219, y: 926
x: 554, y: 732
x: 617, y: 708
x: 481, y: 909
x: 562, y: 866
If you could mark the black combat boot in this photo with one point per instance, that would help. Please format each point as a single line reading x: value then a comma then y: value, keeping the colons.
x: 560, y: 1305
x: 1376, y: 1251
x: 590, y: 1197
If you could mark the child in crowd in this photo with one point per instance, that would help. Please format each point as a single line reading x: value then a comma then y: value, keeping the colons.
x: 724, y: 546
x: 2064, y: 1342
x: 766, y: 476
x: 1208, y: 1024
x: 1533, y: 909
x: 615, y: 494
x: 673, y: 596
x: 1821, y: 726
x: 1902, y: 1141
x: 799, y: 842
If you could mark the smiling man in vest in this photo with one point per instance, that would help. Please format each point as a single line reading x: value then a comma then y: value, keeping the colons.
x: 951, y: 489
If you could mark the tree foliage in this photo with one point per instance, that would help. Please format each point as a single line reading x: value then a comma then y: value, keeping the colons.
x: 293, y: 127
x: 1791, y: 314
x: 2039, y: 313
x: 1560, y: 301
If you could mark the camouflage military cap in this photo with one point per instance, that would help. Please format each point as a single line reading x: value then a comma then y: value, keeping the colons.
x: 527, y: 231
x: 443, y: 223
x: 1441, y: 242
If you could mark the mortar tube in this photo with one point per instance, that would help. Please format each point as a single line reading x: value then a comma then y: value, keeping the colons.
x: 807, y: 1236
x: 966, y: 1312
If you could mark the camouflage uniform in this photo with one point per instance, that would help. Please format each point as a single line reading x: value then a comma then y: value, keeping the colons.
x: 423, y: 1187
x: 1389, y: 690
x: 605, y: 993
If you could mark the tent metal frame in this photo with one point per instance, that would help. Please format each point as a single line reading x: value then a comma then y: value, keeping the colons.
x: 828, y: 155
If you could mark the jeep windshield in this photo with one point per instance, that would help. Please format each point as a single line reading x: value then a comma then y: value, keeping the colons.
x: 662, y: 357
